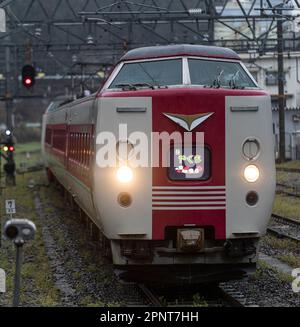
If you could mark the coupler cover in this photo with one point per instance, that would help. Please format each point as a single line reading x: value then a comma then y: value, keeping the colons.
x: 190, y: 240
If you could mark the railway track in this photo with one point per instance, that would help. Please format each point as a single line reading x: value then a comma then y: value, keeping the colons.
x: 284, y: 227
x: 288, y: 190
x: 288, y: 170
x: 223, y: 295
x: 150, y: 296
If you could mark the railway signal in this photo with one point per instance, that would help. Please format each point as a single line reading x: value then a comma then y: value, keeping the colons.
x: 28, y: 76
x: 7, y: 152
x: 8, y: 148
x: 19, y: 231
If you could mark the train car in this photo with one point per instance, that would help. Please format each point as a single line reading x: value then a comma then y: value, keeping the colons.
x: 188, y: 221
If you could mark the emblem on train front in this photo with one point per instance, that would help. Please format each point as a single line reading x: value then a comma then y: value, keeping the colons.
x: 188, y: 122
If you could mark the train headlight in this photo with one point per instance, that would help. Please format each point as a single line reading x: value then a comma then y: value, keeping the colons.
x: 251, y: 173
x: 124, y: 174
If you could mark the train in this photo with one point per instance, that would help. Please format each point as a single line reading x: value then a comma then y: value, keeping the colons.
x: 198, y: 213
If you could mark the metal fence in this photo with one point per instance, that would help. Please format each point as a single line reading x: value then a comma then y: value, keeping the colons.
x: 292, y: 146
x: 295, y: 152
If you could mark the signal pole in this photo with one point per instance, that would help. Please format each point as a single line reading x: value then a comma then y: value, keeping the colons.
x: 9, y: 166
x: 281, y: 95
x: 8, y: 96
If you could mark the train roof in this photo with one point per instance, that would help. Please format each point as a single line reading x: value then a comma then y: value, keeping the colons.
x: 180, y: 50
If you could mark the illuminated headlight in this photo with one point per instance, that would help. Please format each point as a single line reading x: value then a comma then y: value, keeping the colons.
x: 251, y: 173
x: 124, y: 174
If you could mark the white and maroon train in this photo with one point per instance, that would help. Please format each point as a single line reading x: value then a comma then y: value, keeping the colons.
x: 161, y: 222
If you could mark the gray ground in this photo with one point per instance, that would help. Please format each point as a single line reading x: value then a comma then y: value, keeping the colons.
x: 81, y: 274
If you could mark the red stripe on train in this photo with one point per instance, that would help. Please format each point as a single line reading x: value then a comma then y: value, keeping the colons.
x: 162, y: 219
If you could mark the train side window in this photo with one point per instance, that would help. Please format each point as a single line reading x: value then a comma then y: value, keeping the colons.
x: 59, y: 140
x: 80, y: 148
x: 86, y: 149
x: 71, y: 146
x: 83, y: 149
x: 76, y: 147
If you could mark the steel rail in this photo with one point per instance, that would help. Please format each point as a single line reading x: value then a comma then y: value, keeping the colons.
x: 285, y: 221
x: 151, y: 297
x: 226, y: 296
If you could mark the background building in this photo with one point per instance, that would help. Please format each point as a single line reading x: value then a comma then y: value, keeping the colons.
x: 264, y: 69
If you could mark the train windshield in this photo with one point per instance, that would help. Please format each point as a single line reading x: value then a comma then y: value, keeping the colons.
x: 219, y: 74
x: 149, y: 73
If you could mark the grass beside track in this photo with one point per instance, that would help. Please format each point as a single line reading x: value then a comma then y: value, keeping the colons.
x: 289, y: 164
x: 38, y: 288
x: 29, y: 153
x: 287, y: 206
x: 27, y: 147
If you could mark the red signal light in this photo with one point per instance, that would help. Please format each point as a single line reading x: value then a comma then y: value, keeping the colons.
x: 11, y: 148
x: 28, y: 76
x: 28, y: 81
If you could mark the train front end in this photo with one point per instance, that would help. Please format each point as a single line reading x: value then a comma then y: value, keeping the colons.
x: 191, y: 190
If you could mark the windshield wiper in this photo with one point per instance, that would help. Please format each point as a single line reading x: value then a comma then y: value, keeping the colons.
x: 126, y: 86
x: 232, y: 82
x: 133, y: 86
x: 217, y: 83
x: 144, y: 84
